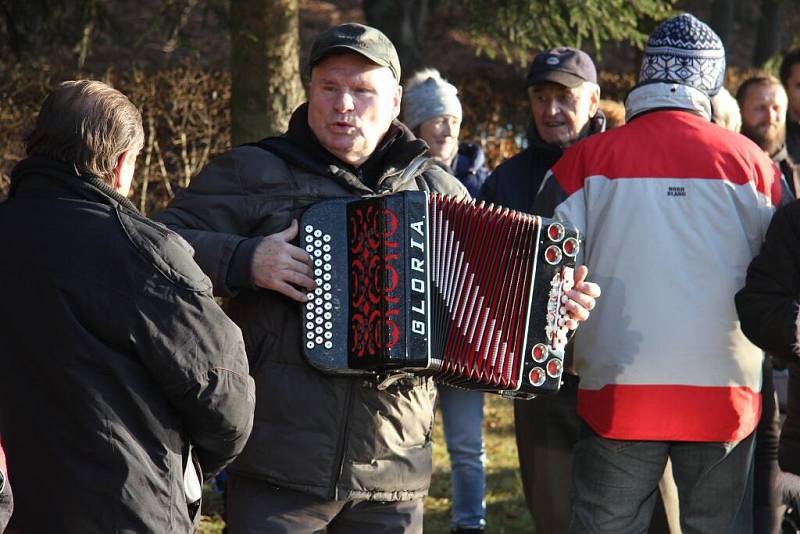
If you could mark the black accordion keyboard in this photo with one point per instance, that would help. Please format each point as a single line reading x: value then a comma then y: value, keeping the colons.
x: 418, y: 284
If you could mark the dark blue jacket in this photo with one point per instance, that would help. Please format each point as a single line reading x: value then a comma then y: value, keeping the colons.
x: 470, y: 167
x: 515, y: 182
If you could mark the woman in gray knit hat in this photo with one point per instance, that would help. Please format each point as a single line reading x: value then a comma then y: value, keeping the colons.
x: 431, y: 109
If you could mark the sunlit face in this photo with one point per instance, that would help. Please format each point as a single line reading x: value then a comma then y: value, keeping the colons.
x: 560, y: 113
x: 441, y: 134
x: 351, y: 105
x: 763, y: 116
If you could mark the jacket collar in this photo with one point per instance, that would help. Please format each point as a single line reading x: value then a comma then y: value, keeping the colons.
x: 596, y: 124
x: 381, y: 172
x: 661, y: 95
x: 39, y: 176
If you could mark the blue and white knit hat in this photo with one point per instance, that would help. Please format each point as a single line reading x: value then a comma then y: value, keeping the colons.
x: 686, y: 51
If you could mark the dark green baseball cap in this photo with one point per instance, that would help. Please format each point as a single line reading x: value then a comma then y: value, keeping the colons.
x: 364, y: 40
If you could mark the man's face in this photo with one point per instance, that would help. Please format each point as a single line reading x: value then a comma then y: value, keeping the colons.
x: 793, y: 90
x: 560, y: 113
x: 351, y: 104
x: 763, y: 116
x: 441, y: 134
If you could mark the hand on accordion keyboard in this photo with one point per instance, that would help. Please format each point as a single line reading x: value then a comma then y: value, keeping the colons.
x: 283, y: 267
x: 580, y: 300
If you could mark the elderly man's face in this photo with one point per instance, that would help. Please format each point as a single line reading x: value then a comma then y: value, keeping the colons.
x: 560, y: 113
x: 764, y: 115
x: 351, y: 105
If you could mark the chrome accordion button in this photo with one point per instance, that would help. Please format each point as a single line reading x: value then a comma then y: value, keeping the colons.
x: 539, y: 352
x: 554, y: 368
x: 553, y: 255
x: 571, y: 247
x: 555, y: 232
x: 537, y: 376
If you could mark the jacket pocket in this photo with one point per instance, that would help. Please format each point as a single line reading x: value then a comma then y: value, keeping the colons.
x: 192, y: 486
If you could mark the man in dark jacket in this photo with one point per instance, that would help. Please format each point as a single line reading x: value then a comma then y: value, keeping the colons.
x: 120, y: 371
x: 564, y: 98
x: 326, y: 451
x: 767, y: 307
x: 762, y: 101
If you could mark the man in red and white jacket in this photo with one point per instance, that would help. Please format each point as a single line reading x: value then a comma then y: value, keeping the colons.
x: 673, y: 208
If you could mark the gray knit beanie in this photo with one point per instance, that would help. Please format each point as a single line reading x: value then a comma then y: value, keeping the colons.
x: 428, y: 95
x: 686, y: 51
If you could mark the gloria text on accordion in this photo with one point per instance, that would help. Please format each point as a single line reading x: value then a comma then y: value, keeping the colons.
x: 412, y: 283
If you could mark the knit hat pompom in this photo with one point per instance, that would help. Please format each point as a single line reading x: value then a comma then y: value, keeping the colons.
x: 686, y: 51
x: 427, y: 95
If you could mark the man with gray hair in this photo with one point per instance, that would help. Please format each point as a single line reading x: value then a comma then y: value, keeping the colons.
x: 327, y: 452
x: 123, y: 378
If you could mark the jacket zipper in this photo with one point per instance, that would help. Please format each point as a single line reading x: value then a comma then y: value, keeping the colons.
x: 340, y: 446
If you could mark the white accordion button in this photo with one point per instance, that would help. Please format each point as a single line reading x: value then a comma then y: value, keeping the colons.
x: 326, y: 238
x: 328, y: 345
x: 317, y: 233
x: 309, y: 238
x: 310, y: 344
x: 309, y: 228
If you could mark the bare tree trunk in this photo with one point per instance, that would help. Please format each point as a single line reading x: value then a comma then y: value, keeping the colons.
x: 768, y: 37
x: 722, y: 19
x: 404, y: 23
x: 265, y: 67
x: 84, y: 45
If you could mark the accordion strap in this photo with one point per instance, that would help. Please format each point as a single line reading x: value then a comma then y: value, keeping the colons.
x: 411, y: 171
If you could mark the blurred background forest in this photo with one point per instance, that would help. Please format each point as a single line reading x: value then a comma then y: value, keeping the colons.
x: 211, y: 73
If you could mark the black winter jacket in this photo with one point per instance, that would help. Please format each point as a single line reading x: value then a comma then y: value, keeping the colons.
x: 768, y: 307
x: 114, y: 359
x: 333, y: 437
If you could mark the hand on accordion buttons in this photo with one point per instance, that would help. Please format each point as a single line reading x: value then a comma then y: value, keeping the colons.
x: 581, y: 298
x: 283, y: 267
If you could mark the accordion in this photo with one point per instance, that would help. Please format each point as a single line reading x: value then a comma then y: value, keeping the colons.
x: 416, y: 284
